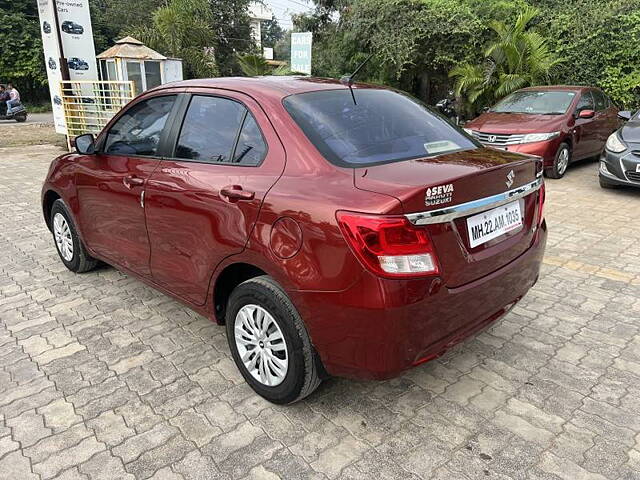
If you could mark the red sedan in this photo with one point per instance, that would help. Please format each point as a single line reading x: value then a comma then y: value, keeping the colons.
x: 559, y: 123
x: 334, y: 232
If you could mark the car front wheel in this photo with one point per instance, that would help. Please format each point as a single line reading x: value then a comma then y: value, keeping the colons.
x: 560, y: 162
x: 269, y: 342
x: 68, y: 244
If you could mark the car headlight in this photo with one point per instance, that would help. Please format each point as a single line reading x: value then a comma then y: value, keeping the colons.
x: 539, y: 137
x: 614, y: 144
x: 468, y: 130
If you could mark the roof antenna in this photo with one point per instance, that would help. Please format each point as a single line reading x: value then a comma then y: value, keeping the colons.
x: 347, y: 80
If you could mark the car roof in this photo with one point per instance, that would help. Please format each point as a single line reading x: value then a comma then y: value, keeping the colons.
x: 575, y: 88
x: 274, y: 85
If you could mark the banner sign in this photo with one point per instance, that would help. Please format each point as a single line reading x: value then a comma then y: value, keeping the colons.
x: 301, y: 52
x: 51, y: 59
x: 77, y: 42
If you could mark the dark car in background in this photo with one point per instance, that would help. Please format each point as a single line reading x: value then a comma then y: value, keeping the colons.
x: 71, y: 27
x: 620, y: 161
x: 76, y: 63
x: 561, y: 124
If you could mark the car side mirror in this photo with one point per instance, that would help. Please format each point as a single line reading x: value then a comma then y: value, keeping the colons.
x: 624, y: 115
x: 85, y: 144
x: 586, y: 113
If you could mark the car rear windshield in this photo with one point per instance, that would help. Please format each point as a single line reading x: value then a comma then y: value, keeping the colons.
x: 536, y: 102
x: 381, y: 126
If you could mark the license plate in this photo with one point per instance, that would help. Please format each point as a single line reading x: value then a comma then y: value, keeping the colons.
x: 493, y: 223
x: 638, y: 168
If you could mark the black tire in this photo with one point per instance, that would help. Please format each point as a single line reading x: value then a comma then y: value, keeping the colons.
x: 558, y: 169
x: 301, y: 378
x: 20, y: 117
x: 605, y: 184
x: 80, y: 261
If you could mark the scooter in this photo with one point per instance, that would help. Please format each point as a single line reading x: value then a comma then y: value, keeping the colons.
x: 18, y: 113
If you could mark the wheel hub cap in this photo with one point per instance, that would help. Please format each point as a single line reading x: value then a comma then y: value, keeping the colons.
x: 563, y: 161
x: 62, y: 235
x: 261, y: 345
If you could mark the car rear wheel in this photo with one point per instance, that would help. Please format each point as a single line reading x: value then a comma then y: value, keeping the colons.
x: 269, y: 342
x: 68, y: 244
x: 560, y: 162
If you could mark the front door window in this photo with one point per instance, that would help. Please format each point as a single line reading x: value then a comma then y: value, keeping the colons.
x: 137, y: 132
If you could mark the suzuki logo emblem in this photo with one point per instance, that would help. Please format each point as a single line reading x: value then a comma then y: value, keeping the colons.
x: 510, y: 178
x: 492, y: 138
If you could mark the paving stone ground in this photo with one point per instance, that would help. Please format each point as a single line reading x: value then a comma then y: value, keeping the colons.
x: 102, y: 377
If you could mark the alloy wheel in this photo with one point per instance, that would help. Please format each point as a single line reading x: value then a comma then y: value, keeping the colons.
x: 62, y: 235
x: 261, y: 345
x: 563, y: 160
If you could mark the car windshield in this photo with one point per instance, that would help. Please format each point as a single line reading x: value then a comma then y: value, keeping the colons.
x: 554, y: 102
x: 382, y: 126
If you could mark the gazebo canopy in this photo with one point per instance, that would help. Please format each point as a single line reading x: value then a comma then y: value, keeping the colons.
x: 129, y: 47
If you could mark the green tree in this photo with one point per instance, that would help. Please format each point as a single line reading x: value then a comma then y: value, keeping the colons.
x: 415, y: 42
x: 271, y: 33
x: 599, y: 41
x: 518, y: 57
x: 22, y: 61
x: 230, y: 26
x: 182, y: 29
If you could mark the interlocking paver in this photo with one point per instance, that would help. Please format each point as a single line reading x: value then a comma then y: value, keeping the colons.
x: 104, y: 377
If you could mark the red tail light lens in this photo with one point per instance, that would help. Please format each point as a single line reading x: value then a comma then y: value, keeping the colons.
x: 541, y: 198
x: 389, y: 246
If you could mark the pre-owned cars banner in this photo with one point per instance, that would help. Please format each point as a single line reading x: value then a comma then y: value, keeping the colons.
x: 51, y: 59
x: 77, y: 41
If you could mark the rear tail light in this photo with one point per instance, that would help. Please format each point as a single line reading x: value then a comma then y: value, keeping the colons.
x: 389, y: 246
x: 541, y: 198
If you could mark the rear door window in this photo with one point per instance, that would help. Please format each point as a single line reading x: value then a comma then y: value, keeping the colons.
x: 381, y: 126
x: 137, y: 132
x: 210, y: 129
x: 251, y: 147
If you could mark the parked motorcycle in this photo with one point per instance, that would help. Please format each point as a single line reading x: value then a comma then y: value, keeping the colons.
x: 447, y: 107
x: 19, y: 113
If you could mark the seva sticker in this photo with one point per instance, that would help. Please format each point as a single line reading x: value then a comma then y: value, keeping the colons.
x: 438, y: 195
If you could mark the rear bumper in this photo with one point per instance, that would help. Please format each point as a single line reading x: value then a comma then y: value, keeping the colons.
x: 379, y: 328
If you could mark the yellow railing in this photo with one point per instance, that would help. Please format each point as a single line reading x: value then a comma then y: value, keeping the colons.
x: 89, y: 105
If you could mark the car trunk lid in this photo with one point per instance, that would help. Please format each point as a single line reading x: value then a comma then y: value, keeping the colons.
x: 428, y: 184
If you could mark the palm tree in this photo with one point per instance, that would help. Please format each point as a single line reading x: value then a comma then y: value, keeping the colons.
x: 181, y: 29
x: 253, y: 65
x: 519, y: 57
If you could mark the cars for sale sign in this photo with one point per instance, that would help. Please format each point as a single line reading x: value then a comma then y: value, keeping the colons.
x: 77, y: 42
x: 301, y: 52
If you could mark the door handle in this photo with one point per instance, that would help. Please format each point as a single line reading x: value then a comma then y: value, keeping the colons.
x: 235, y: 192
x: 132, y: 181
